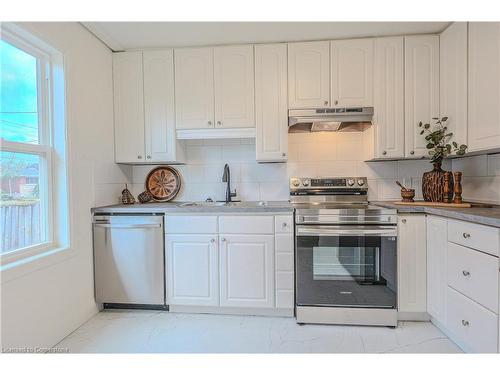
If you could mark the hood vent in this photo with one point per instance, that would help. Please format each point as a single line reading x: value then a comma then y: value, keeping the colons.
x: 329, y: 119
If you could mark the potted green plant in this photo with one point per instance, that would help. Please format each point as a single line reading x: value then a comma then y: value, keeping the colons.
x: 440, y: 146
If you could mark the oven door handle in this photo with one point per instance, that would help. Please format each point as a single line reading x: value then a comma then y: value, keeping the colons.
x: 316, y: 231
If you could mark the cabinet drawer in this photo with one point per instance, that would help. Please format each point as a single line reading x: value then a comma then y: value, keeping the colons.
x: 284, y: 243
x: 284, y: 224
x: 190, y: 224
x: 476, y: 236
x: 284, y: 280
x: 471, y: 325
x: 246, y: 224
x: 474, y: 274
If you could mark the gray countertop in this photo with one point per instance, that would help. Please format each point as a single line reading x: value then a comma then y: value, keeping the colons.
x: 479, y: 214
x: 178, y: 207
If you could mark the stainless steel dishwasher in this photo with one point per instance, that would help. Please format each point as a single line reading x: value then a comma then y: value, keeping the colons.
x: 129, y: 262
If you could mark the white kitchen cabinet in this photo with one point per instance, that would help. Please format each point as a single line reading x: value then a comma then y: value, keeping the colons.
x: 271, y: 109
x: 161, y: 144
x: 128, y: 107
x: 453, y: 79
x: 234, y: 87
x: 194, y: 88
x: 308, y: 75
x: 412, y: 266
x: 437, y: 285
x: 389, y: 119
x: 247, y: 270
x: 192, y: 269
x: 352, y: 72
x: 421, y: 89
x: 484, y: 86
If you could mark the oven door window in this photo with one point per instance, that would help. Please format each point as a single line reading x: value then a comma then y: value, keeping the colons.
x: 346, y: 270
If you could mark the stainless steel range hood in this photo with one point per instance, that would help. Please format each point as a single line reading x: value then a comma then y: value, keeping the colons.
x: 329, y: 119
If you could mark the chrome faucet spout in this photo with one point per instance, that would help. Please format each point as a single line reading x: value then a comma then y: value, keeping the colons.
x: 226, y: 177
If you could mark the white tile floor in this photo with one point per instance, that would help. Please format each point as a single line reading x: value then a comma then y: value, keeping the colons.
x: 163, y: 332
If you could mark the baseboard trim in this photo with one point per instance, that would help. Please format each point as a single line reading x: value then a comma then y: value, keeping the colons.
x: 231, y: 310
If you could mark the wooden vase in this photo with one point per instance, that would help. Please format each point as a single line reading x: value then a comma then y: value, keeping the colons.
x: 433, y: 184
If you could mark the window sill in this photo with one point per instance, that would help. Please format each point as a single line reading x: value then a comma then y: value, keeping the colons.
x: 20, y: 267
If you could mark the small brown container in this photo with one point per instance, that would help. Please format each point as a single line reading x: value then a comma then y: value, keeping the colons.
x: 408, y: 195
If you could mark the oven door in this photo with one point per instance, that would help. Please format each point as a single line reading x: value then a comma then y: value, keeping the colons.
x: 346, y: 266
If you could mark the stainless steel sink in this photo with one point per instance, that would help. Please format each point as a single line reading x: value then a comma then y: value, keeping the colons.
x: 224, y: 204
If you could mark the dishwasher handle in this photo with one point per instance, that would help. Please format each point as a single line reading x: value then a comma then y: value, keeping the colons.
x: 126, y: 226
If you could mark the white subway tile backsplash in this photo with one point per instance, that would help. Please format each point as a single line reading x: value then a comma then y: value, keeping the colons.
x: 309, y: 154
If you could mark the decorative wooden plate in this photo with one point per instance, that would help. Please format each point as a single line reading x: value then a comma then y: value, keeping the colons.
x: 163, y: 183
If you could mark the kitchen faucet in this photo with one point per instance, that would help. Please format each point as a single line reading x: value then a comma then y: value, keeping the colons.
x: 226, y: 177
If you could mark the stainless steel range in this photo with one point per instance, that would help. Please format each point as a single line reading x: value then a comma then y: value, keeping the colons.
x: 345, y: 253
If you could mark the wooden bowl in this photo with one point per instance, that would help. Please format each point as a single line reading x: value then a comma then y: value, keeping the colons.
x: 408, y: 195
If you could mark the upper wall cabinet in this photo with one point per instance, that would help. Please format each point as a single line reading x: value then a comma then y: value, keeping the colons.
x: 271, y: 110
x: 128, y: 107
x: 453, y: 79
x: 144, y: 108
x: 194, y: 88
x: 484, y: 86
x: 421, y: 89
x: 234, y: 87
x: 389, y: 98
x: 309, y: 75
x: 352, y: 72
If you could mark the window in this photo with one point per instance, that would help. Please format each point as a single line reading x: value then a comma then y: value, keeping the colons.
x: 27, y: 132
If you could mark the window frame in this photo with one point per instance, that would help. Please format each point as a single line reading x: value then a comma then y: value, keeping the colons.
x: 44, y: 149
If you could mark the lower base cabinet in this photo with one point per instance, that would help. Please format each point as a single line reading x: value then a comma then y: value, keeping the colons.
x: 247, y: 270
x: 192, y: 269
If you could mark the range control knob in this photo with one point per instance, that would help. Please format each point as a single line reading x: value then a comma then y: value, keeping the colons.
x: 305, y: 183
x: 296, y: 183
x: 350, y: 182
x: 361, y: 182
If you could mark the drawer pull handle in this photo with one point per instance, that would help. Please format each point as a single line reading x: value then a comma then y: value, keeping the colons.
x: 466, y: 235
x: 466, y: 273
x: 465, y: 323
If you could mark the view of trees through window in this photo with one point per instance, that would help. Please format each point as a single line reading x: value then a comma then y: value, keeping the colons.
x: 22, y: 212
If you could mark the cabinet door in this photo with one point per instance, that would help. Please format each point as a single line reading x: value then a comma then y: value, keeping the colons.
x: 308, y: 75
x: 192, y: 270
x: 421, y: 89
x: 484, y: 86
x: 412, y: 264
x: 234, y: 87
x: 453, y: 79
x: 437, y: 243
x: 352, y: 72
x: 194, y: 88
x: 159, y: 106
x: 247, y: 270
x: 271, y: 110
x: 128, y: 107
x: 389, y: 98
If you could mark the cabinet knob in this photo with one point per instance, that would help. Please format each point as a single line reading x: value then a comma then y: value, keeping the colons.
x: 336, y: 102
x: 212, y: 240
x: 223, y: 240
x: 219, y: 123
x: 139, y: 156
x: 210, y: 123
x: 465, y: 323
x: 412, y: 152
x: 326, y: 102
x: 284, y: 225
x: 403, y: 221
x: 466, y: 235
x: 384, y: 152
x: 283, y: 154
x: 465, y: 273
x: 149, y: 156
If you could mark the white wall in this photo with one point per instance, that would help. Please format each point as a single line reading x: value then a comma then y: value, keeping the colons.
x: 310, y: 154
x: 481, y: 177
x: 43, y: 301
